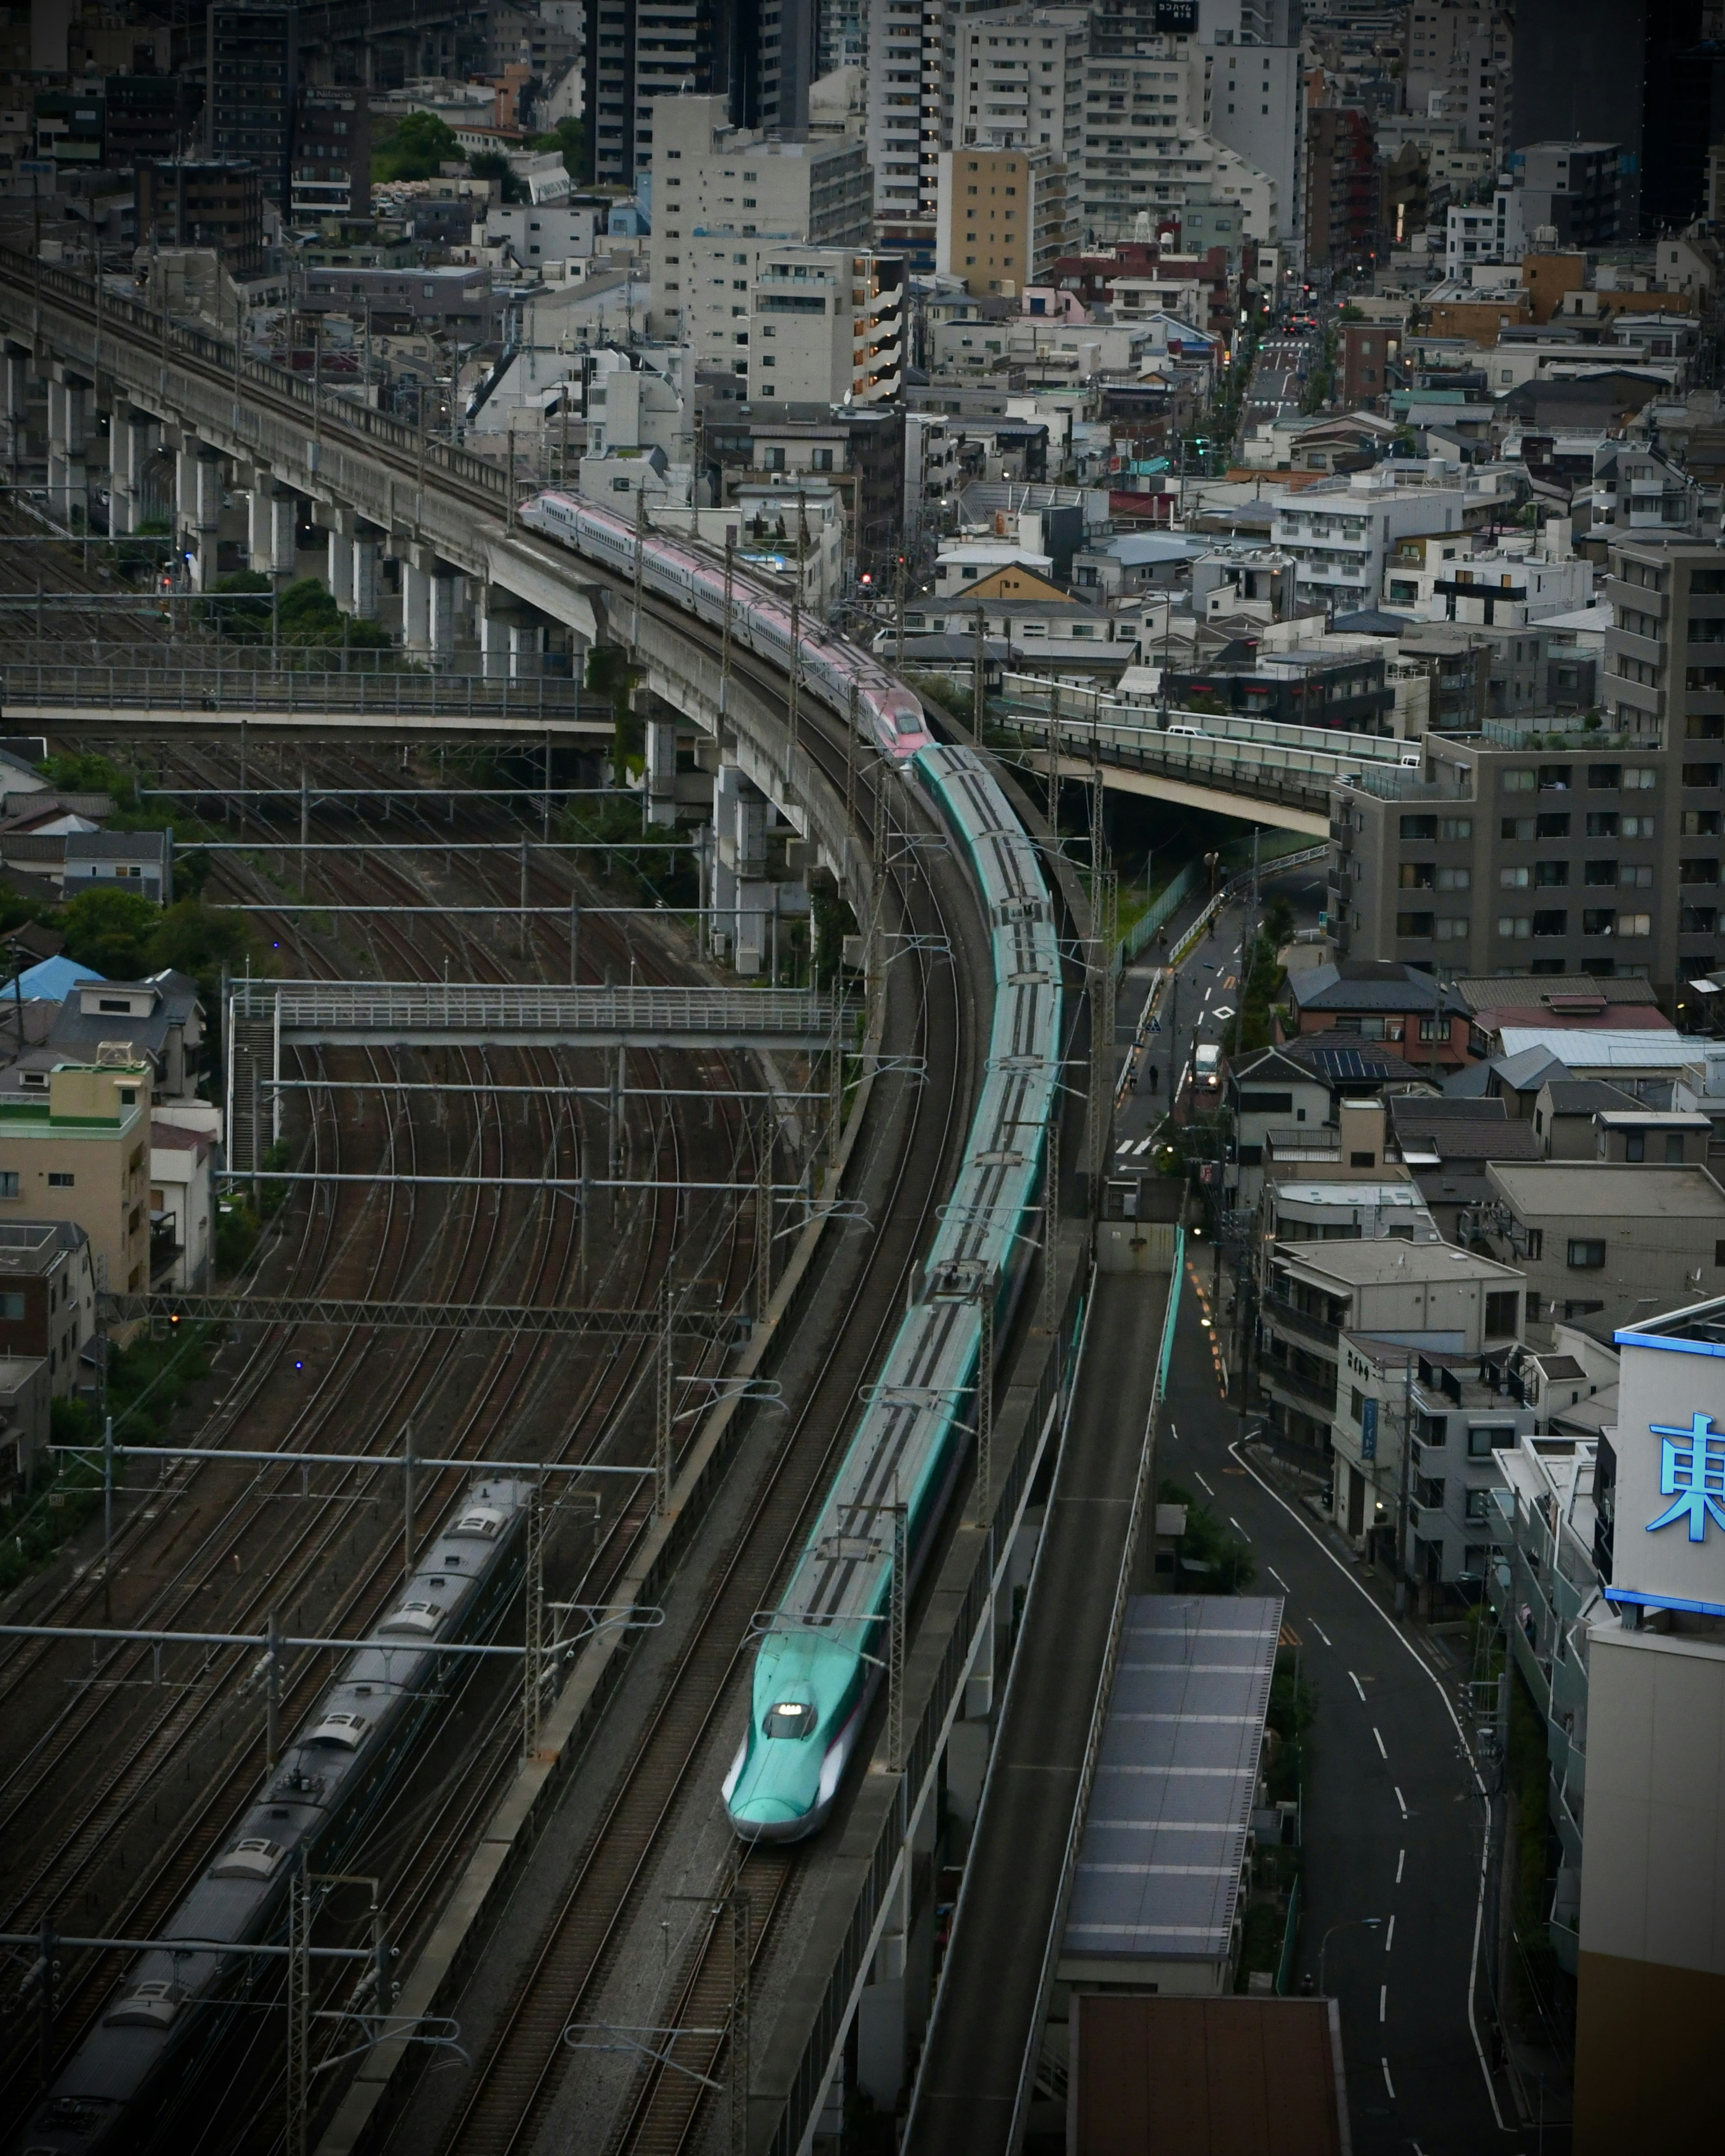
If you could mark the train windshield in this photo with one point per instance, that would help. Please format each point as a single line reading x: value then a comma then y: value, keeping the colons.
x: 908, y: 722
x: 789, y: 1718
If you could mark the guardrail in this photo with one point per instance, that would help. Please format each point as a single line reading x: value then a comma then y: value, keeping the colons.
x: 1299, y: 778
x: 1036, y: 692
x: 149, y: 330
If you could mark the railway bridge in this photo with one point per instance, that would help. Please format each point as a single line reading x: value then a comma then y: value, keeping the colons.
x: 379, y: 490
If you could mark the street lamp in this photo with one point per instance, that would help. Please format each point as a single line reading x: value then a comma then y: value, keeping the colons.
x: 1345, y: 1923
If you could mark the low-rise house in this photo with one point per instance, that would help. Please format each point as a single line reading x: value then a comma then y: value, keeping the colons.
x: 1669, y: 1137
x: 1453, y: 1410
x: 1369, y: 1000
x: 181, y: 1210
x: 78, y: 1149
x: 1605, y: 1241
x: 48, y: 1290
x: 24, y: 1422
x: 1270, y: 1091
x: 1427, y: 1295
x: 142, y: 861
x: 160, y: 1021
x: 1445, y: 1144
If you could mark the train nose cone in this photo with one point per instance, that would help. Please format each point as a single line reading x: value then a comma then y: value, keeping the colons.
x: 765, y: 1818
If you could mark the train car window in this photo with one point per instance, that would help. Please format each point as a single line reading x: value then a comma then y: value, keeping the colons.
x: 789, y: 1719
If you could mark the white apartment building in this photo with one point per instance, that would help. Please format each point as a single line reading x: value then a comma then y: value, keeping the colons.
x: 1340, y: 537
x: 1019, y: 79
x: 539, y: 233
x: 911, y: 92
x: 1508, y: 588
x: 826, y: 326
x: 1484, y: 232
x: 1458, y: 57
x: 1147, y: 147
x: 1253, y: 106
x: 720, y: 192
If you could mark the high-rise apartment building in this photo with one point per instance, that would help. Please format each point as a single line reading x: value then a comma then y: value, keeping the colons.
x: 1581, y: 75
x: 1019, y: 79
x: 1006, y: 218
x: 332, y: 165
x: 1341, y: 187
x: 723, y: 197
x: 252, y: 89
x: 757, y: 54
x: 1600, y: 854
x: 827, y: 327
x: 1253, y: 101
x: 1460, y: 54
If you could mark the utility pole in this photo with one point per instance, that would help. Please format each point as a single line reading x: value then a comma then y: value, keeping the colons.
x: 272, y: 1691
x: 979, y: 680
x: 763, y: 1217
x: 1401, y: 1507
x: 725, y: 626
x: 1053, y: 764
x: 299, y: 2006
x: 534, y: 1665
x: 742, y: 1945
x: 663, y: 1427
x: 407, y: 1503
x: 640, y: 556
x: 1248, y: 941
x: 898, y: 636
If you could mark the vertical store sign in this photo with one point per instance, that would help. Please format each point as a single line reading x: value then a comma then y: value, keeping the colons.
x: 1669, y: 1544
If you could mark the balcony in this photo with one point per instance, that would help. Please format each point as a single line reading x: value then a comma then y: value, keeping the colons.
x: 1315, y: 1391
x: 1288, y: 1316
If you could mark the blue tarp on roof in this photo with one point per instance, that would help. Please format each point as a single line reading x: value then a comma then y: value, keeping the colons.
x: 54, y: 979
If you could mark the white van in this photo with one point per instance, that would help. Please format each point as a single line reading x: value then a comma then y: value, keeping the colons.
x: 1189, y: 733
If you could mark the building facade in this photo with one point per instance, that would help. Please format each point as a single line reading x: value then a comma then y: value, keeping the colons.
x: 252, y: 89
x: 826, y: 326
x: 1005, y: 218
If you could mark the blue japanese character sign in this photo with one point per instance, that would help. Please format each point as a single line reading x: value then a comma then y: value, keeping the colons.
x: 1691, y: 1474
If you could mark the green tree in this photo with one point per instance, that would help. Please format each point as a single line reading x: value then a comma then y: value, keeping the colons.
x: 197, y: 939
x: 247, y: 621
x: 415, y: 149
x: 111, y: 930
x: 570, y: 136
x: 493, y: 165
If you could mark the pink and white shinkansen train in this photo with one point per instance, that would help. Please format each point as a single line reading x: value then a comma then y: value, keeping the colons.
x: 678, y: 570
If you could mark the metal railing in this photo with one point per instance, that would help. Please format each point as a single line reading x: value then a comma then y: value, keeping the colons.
x: 1281, y: 1311
x: 1303, y: 1387
x: 464, y: 1007
x: 228, y: 689
x: 1299, y: 779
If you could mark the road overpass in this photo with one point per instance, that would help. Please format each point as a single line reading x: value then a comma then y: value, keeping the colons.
x: 1257, y: 770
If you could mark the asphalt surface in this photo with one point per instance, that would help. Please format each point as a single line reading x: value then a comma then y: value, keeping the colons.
x: 1394, y: 1820
x: 1279, y: 373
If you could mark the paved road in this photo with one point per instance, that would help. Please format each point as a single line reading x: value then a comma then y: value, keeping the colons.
x: 1394, y: 1819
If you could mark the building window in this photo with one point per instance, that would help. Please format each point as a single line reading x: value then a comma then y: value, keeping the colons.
x: 9, y: 1183
x: 1586, y: 1254
x: 12, y: 1304
x: 1500, y: 1313
x: 60, y: 1181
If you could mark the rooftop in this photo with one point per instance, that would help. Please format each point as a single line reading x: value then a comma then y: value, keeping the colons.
x: 1609, y: 1190
x: 1602, y: 1049
x: 1364, y: 1265
x: 1585, y: 1096
x: 1165, y: 1837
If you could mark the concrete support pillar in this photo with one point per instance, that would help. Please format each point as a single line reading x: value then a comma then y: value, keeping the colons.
x: 203, y: 515
x: 15, y: 388
x: 340, y: 570
x: 272, y: 527
x: 135, y: 437
x: 416, y: 609
x: 526, y: 650
x: 365, y: 555
x: 661, y: 771
x: 67, y: 429
x: 445, y: 600
x: 493, y: 629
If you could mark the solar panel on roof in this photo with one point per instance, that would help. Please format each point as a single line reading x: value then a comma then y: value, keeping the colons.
x: 1351, y: 1063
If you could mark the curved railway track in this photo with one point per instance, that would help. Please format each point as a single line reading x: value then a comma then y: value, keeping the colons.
x: 494, y: 1396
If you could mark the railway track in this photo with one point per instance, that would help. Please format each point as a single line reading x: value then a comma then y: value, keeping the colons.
x: 580, y: 1940
x: 501, y: 1390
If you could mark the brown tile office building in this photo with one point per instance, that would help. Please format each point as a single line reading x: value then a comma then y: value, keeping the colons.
x: 1599, y: 854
